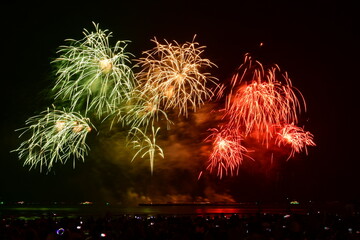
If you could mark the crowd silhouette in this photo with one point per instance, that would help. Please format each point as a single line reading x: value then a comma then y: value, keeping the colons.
x: 309, y: 226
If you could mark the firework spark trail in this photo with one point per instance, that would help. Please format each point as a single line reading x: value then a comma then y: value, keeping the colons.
x: 92, y: 74
x: 55, y: 136
x: 145, y: 145
x: 261, y: 98
x: 227, y: 151
x: 296, y: 137
x: 174, y: 72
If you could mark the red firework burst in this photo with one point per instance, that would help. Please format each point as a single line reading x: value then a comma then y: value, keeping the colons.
x: 227, y: 151
x: 296, y: 137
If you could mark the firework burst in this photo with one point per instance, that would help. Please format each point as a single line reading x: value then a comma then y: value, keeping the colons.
x: 142, y: 110
x: 258, y: 101
x: 261, y: 98
x: 227, y: 151
x: 92, y: 75
x: 146, y: 145
x: 173, y: 71
x: 55, y: 136
x: 296, y: 137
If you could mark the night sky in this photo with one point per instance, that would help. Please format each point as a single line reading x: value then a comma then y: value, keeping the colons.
x: 316, y: 42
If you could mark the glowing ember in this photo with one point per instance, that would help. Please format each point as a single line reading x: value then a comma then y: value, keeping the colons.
x: 106, y: 65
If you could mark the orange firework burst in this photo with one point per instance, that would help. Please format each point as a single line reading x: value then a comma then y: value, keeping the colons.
x: 227, y: 151
x: 296, y: 137
x: 266, y: 98
x: 174, y: 72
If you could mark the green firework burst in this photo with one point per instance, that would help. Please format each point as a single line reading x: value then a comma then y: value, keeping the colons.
x: 92, y: 75
x: 54, y: 136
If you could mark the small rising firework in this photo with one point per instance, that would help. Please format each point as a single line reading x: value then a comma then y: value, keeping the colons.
x: 55, y: 136
x: 174, y: 71
x: 146, y: 145
x: 93, y: 75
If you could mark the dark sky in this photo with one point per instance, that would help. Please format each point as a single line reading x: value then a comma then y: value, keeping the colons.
x: 316, y: 42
